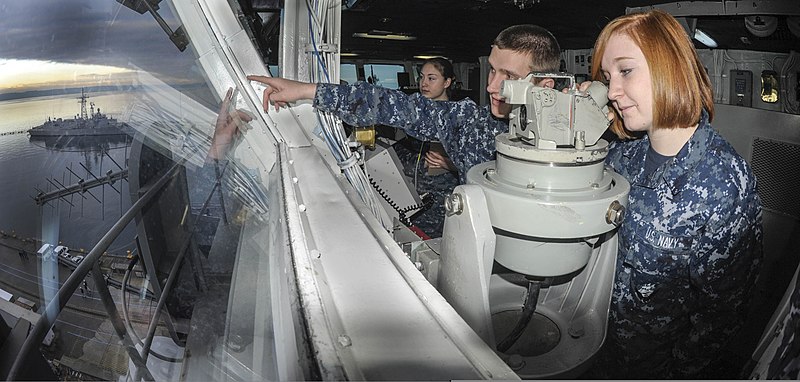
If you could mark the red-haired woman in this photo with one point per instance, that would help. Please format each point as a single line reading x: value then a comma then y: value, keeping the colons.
x: 690, y: 245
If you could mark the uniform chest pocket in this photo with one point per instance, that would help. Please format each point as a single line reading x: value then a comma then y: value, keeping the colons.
x: 659, y: 264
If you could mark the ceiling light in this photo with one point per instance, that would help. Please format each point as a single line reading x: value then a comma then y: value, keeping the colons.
x: 385, y: 35
x: 704, y: 39
x: 428, y: 57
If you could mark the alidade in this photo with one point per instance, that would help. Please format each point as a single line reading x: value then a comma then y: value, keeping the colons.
x: 546, y: 209
x: 549, y: 192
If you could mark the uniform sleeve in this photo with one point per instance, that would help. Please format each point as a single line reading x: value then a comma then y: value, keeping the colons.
x: 465, y: 130
x: 725, y: 268
x: 363, y: 104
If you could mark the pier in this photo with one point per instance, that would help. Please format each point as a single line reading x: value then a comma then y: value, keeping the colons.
x: 14, y: 132
x: 84, y: 340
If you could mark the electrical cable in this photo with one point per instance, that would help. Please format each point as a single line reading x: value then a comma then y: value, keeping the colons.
x: 527, y: 313
x: 742, y: 60
x: 416, y: 165
x: 789, y: 105
x: 331, y: 126
x: 384, y: 195
x: 427, y: 201
x: 727, y: 57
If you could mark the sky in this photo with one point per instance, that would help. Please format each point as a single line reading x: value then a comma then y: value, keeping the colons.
x: 73, y: 43
x: 27, y: 74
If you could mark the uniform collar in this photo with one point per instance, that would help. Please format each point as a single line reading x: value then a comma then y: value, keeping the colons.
x: 675, y: 170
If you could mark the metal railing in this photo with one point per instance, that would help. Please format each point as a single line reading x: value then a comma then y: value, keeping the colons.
x: 73, y: 282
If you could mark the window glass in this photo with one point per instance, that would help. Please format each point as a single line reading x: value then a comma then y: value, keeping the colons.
x: 347, y: 73
x: 383, y: 74
x: 104, y: 112
x: 274, y: 70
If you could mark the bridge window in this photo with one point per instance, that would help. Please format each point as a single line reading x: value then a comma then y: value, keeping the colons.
x: 347, y: 73
x: 383, y: 74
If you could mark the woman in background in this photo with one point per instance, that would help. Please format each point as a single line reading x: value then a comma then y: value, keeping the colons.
x: 425, y: 162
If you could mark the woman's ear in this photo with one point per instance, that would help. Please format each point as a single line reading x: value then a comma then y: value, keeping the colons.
x: 448, y: 82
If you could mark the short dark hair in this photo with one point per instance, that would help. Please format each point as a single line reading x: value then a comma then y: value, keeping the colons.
x: 534, y: 40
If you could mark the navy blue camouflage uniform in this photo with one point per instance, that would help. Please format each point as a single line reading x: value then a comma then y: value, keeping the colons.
x: 785, y: 364
x: 690, y: 250
x: 411, y: 153
x: 465, y: 130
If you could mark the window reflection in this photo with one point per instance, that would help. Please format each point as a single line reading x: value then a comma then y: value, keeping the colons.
x: 123, y: 109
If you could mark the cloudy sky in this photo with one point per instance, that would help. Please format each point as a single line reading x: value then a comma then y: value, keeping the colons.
x: 68, y: 43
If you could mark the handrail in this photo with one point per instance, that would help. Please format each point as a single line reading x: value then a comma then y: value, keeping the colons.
x: 151, y: 330
x: 125, y: 314
x: 45, y: 322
